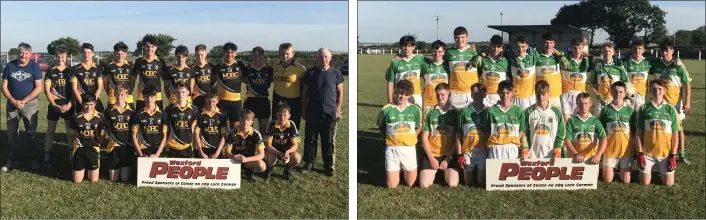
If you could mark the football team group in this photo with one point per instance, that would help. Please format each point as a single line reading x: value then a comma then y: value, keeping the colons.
x: 204, y: 117
x: 464, y: 106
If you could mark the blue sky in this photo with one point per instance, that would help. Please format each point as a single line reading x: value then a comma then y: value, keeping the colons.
x: 307, y: 25
x: 382, y: 22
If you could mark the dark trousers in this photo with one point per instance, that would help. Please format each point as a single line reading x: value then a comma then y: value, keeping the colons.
x: 324, y: 125
x: 25, y: 147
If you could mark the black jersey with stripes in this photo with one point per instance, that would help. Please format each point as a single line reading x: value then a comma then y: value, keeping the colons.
x: 282, y: 137
x: 246, y: 146
x: 89, y: 131
x: 211, y: 127
x: 228, y: 80
x: 150, y: 73
x: 259, y: 81
x: 117, y: 73
x: 150, y: 128
x: 59, y: 84
x: 180, y: 121
x: 204, y: 81
x: 118, y: 126
x: 87, y: 78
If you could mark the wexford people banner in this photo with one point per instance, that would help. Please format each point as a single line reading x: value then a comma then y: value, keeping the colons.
x: 188, y: 173
x: 540, y: 174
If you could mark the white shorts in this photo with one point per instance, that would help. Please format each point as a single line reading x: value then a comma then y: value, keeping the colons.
x: 625, y: 163
x: 661, y: 163
x: 556, y: 102
x: 637, y: 101
x: 568, y: 102
x: 416, y: 99
x: 476, y: 158
x: 504, y: 151
x: 680, y: 110
x: 524, y: 103
x: 491, y: 99
x: 404, y: 157
x: 460, y: 100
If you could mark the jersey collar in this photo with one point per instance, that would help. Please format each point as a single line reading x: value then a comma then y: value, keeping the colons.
x: 248, y: 133
x: 405, y: 107
x: 660, y: 105
x: 286, y: 125
x: 579, y: 117
x: 615, y: 107
x: 127, y: 107
x: 203, y: 111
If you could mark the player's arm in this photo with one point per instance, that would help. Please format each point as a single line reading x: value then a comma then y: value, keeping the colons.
x: 594, y: 81
x: 567, y: 140
x: 106, y: 79
x: 260, y: 153
x: 425, y: 142
x: 560, y: 133
x: 74, y: 88
x: 163, y: 142
x: 135, y: 143
x: 295, y: 140
x: 523, y: 140
x: 686, y: 82
x: 380, y: 122
x: 339, y: 94
x: 47, y: 90
x: 603, y: 142
x: 418, y: 121
x: 268, y: 142
x: 675, y: 131
x: 390, y: 77
x: 198, y: 144
x: 221, y: 143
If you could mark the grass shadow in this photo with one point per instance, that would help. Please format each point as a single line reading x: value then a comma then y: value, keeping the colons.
x: 371, y: 158
x: 369, y: 105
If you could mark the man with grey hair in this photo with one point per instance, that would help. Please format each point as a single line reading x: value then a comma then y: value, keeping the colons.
x: 21, y: 84
x: 322, y: 93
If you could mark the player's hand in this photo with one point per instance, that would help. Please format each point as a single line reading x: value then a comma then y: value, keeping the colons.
x: 584, y: 55
x: 641, y: 160
x: 557, y: 153
x: 679, y: 63
x: 525, y: 154
x: 461, y: 161
x: 687, y: 107
x: 596, y: 159
x: 154, y: 156
x: 579, y: 158
x: 473, y: 46
x: 339, y: 114
x: 204, y: 156
x: 66, y: 108
x: 434, y: 163
x: 444, y: 164
x: 140, y: 155
x: 58, y: 108
x: 672, y: 163
x: 397, y: 57
x: 238, y: 158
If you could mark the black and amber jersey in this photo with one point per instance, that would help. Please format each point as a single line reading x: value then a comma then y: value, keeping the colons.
x: 180, y: 121
x: 210, y: 128
x: 150, y: 128
x: 58, y: 81
x: 118, y: 73
x: 89, y: 131
x: 176, y: 76
x: 282, y: 137
x: 259, y: 81
x: 287, y: 79
x: 204, y: 81
x: 149, y: 73
x: 88, y: 78
x: 118, y: 125
x: 228, y: 80
x: 245, y: 145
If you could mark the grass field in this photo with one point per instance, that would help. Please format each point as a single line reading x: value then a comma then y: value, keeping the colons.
x: 683, y: 200
x: 54, y: 195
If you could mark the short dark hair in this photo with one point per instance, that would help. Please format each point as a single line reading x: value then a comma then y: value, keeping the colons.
x: 638, y: 42
x: 199, y: 47
x: 441, y: 86
x: 548, y: 36
x: 88, y: 97
x: 87, y: 46
x: 404, y: 87
x: 149, y: 39
x: 285, y: 46
x: 438, y: 44
x: 62, y: 50
x: 181, y: 85
x: 496, y: 40
x: 407, y: 39
x: 120, y: 46
x: 283, y: 107
x: 479, y: 86
x: 618, y: 84
x: 583, y: 96
x: 521, y: 39
x: 149, y: 90
x: 230, y: 46
x: 665, y: 45
x: 576, y: 41
x: 460, y: 30
x: 213, y: 94
x: 181, y: 50
x: 541, y: 87
x: 660, y: 82
x: 121, y: 87
x: 608, y: 44
x: 257, y: 50
x: 247, y: 114
x: 505, y: 84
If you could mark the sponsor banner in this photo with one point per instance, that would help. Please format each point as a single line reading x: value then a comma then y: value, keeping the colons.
x: 540, y: 174
x: 188, y: 173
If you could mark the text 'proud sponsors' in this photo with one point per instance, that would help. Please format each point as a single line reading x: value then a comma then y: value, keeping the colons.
x: 541, y: 174
x: 188, y: 173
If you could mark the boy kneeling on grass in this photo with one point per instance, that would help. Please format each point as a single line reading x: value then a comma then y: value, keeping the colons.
x: 616, y: 118
x: 583, y: 133
x: 120, y: 149
x: 244, y: 145
x: 282, y: 141
x: 86, y: 129
x: 439, y: 140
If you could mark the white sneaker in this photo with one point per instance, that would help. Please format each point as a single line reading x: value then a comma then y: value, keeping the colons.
x: 6, y: 167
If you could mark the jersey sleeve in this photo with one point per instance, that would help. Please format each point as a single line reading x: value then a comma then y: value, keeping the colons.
x: 268, y: 131
x: 683, y: 75
x: 418, y: 118
x: 427, y: 121
x: 600, y: 131
x: 673, y: 117
x: 524, y: 124
x: 569, y: 130
x: 633, y: 120
x: 295, y: 133
x: 381, y: 119
x: 623, y: 74
x: 602, y: 116
x: 390, y: 73
x: 260, y: 143
x: 560, y: 128
x: 640, y: 119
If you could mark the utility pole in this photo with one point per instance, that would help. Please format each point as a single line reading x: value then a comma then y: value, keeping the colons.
x: 501, y: 23
x: 437, y: 26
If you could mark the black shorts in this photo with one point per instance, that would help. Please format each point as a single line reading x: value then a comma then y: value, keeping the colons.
x: 139, y: 104
x: 99, y: 106
x: 85, y: 158
x: 295, y: 105
x: 120, y: 157
x: 200, y: 102
x: 232, y: 109
x: 173, y: 153
x: 208, y: 152
x: 426, y: 164
x: 260, y: 106
x: 54, y: 115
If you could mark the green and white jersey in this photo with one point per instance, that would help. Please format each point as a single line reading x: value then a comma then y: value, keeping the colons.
x: 676, y: 76
x: 638, y: 71
x: 545, y: 130
x: 584, y: 134
x: 493, y: 72
x: 574, y: 75
x: 433, y: 74
x: 523, y: 70
x: 400, y: 125
x: 618, y: 125
x: 505, y: 126
x: 409, y: 69
x: 658, y: 122
x: 605, y: 75
x: 462, y: 75
x: 472, y: 125
x: 548, y: 68
x: 442, y: 130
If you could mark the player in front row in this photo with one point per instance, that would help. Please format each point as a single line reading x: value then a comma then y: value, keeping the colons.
x: 87, y: 78
x: 244, y: 145
x: 228, y: 82
x: 400, y: 122
x: 116, y: 72
x: 434, y: 72
x: 179, y: 73
x: 493, y: 69
x: 505, y: 123
x: 616, y: 118
x: 120, y: 149
x: 473, y: 136
x: 204, y: 82
x: 60, y: 97
x: 584, y: 133
x: 211, y: 127
x: 181, y: 120
x: 259, y: 80
x: 544, y: 125
x: 149, y: 126
x: 86, y: 129
x: 439, y: 140
x: 656, y: 136
x: 407, y: 68
x: 282, y: 141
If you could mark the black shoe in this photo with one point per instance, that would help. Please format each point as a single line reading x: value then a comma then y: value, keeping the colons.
x: 268, y: 173
x: 329, y: 172
x: 288, y: 174
x: 307, y: 167
x: 249, y: 174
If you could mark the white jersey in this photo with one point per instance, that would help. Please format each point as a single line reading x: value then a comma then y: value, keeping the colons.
x: 545, y: 131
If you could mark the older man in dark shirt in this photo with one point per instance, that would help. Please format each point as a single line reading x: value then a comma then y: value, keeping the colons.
x: 322, y: 90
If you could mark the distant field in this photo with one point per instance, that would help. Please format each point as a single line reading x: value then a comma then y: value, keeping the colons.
x: 683, y: 200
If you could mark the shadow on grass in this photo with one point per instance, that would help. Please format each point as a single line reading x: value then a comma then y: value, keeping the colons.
x: 369, y: 105
x: 695, y: 133
x: 371, y: 158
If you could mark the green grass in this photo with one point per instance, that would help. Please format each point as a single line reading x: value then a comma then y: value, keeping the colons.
x: 53, y: 194
x: 616, y: 200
